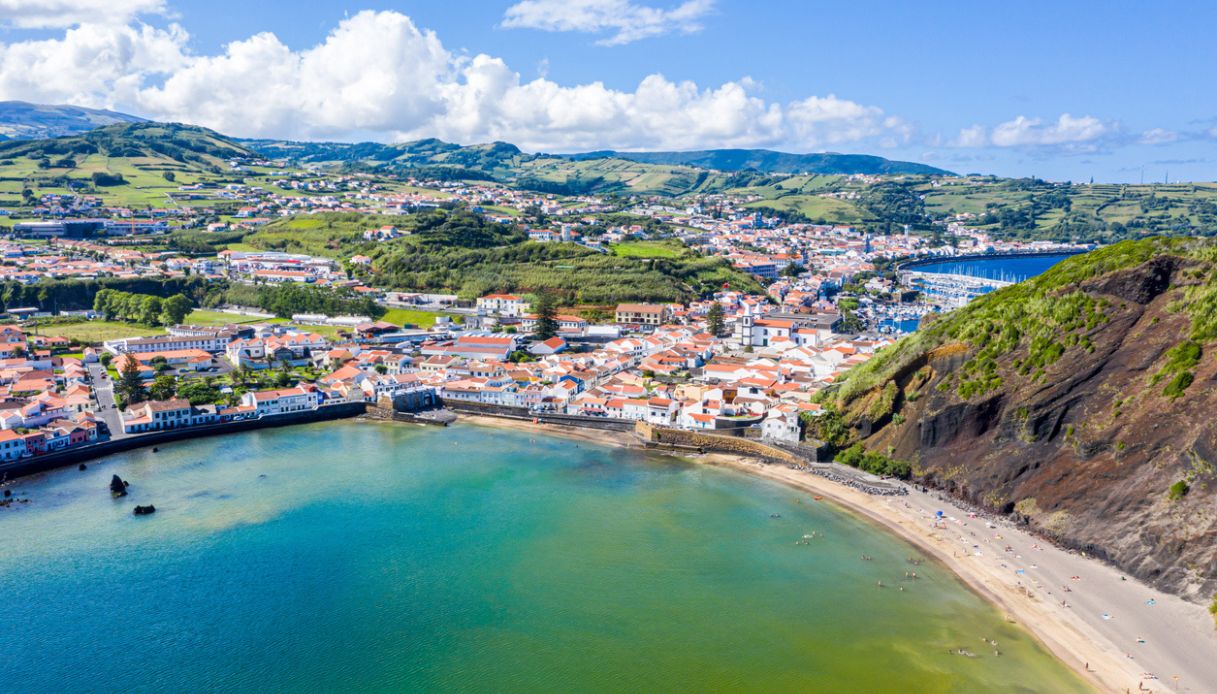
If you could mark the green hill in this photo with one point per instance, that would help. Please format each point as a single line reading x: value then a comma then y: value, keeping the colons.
x: 20, y: 120
x: 170, y: 143
x: 769, y: 161
x: 455, y: 250
x: 1080, y: 401
x: 127, y: 164
x: 653, y: 173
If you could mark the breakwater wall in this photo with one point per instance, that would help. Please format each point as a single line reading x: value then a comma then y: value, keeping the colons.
x: 81, y: 454
x: 799, y: 457
x: 682, y: 439
x: 523, y: 414
x: 390, y: 415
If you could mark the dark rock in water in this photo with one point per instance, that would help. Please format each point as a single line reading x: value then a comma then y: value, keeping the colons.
x: 144, y: 510
x: 155, y: 449
x: 83, y: 467
x: 8, y: 493
x: 117, y: 486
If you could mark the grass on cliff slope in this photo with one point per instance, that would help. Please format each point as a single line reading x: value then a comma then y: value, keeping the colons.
x: 1049, y: 316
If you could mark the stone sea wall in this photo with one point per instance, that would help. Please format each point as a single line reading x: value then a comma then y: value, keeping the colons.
x: 660, y: 437
x: 75, y: 456
x: 522, y: 414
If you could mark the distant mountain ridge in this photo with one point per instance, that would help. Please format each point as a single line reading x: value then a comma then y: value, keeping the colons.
x: 20, y: 120
x: 770, y: 161
x: 128, y: 146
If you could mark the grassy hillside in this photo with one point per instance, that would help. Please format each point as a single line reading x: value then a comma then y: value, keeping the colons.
x: 131, y: 164
x: 768, y: 161
x: 453, y: 250
x: 330, y: 235
x: 20, y: 120
x: 1079, y: 401
x: 1041, y: 320
x: 170, y: 143
x: 1032, y: 209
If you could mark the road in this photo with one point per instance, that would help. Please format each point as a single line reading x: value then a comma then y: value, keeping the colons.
x: 107, y: 409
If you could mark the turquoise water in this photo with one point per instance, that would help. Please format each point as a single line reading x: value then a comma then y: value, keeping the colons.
x: 376, y: 557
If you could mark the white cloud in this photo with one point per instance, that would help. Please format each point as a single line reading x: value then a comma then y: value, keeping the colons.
x: 626, y: 20
x: 378, y: 76
x: 1158, y: 136
x: 42, y: 14
x: 830, y: 120
x: 975, y: 136
x: 91, y: 65
x: 374, y: 73
x: 1067, y: 132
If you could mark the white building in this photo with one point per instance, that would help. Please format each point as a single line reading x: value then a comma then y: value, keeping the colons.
x: 502, y: 304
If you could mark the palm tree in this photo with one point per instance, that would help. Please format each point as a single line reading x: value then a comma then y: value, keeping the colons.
x: 243, y: 372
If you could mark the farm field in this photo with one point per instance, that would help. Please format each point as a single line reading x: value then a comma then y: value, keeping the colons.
x: 406, y: 316
x: 649, y: 249
x: 96, y: 331
x: 828, y: 210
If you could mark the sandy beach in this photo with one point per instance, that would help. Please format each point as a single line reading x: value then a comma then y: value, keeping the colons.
x: 1117, y: 632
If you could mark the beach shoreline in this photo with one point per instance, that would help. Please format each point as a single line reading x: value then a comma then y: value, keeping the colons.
x: 1112, y: 630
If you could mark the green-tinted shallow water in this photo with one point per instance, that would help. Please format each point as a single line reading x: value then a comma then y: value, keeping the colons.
x: 368, y: 557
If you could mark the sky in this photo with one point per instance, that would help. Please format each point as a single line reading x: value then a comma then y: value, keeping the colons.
x: 1061, y: 90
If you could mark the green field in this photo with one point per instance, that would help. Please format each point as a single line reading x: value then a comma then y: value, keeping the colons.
x: 205, y: 317
x: 330, y: 235
x: 406, y: 316
x: 649, y: 249
x: 96, y: 331
x: 815, y: 207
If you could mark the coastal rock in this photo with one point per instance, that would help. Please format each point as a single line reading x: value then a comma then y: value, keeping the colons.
x: 1084, y: 447
x: 117, y: 486
x: 144, y: 510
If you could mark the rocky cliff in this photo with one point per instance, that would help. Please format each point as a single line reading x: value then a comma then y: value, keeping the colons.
x: 1082, y: 402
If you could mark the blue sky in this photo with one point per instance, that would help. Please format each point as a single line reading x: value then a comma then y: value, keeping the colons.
x: 1059, y: 90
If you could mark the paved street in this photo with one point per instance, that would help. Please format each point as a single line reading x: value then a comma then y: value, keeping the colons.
x: 103, y: 388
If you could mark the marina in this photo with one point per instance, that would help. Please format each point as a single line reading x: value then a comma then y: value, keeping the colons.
x: 951, y: 283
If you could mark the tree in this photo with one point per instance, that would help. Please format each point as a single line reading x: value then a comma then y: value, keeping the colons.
x: 105, y: 178
x: 163, y: 387
x: 130, y: 384
x: 199, y: 392
x: 714, y: 319
x: 175, y: 309
x: 547, y: 317
x: 851, y: 323
x: 105, y: 359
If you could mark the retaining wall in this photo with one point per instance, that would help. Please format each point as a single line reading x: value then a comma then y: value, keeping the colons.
x: 74, y: 456
x: 660, y: 437
x: 523, y: 414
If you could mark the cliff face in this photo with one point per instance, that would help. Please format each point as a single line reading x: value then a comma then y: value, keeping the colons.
x: 1083, y: 403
